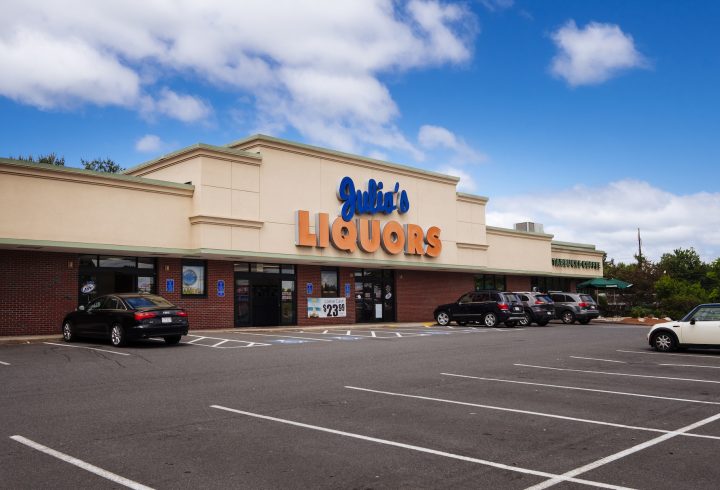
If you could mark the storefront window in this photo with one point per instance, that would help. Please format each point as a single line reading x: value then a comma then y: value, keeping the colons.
x: 194, y: 278
x: 287, y: 305
x: 490, y: 281
x: 545, y: 284
x: 265, y: 268
x: 145, y: 263
x: 329, y: 283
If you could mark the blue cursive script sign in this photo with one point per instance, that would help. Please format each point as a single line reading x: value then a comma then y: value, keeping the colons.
x: 371, y: 201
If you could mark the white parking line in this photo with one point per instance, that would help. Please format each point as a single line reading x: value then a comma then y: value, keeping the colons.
x: 435, y: 452
x: 81, y: 464
x: 219, y: 345
x: 528, y: 412
x: 5, y: 363
x: 618, y: 374
x: 691, y: 365
x: 583, y: 389
x: 89, y: 348
x: 284, y: 336
x: 622, y: 454
x: 595, y: 359
x: 655, y: 353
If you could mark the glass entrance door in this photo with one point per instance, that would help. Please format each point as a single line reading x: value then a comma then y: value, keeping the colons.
x: 264, y: 295
x: 374, y: 295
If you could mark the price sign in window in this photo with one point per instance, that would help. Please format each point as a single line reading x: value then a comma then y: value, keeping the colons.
x: 326, y: 307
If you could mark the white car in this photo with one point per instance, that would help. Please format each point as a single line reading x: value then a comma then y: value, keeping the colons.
x: 699, y: 328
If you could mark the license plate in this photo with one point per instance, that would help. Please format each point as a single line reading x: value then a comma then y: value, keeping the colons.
x: 517, y: 308
x: 167, y: 319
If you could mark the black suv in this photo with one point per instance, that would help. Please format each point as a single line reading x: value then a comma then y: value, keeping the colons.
x: 539, y: 308
x: 574, y: 306
x: 486, y: 307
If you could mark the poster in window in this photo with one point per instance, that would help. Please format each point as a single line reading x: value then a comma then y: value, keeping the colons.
x: 193, y: 279
x: 326, y: 307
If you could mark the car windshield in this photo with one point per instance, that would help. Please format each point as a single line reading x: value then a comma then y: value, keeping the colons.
x: 587, y: 298
x: 148, y: 302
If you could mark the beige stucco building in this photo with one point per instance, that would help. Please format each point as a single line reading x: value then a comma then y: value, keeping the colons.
x: 252, y: 233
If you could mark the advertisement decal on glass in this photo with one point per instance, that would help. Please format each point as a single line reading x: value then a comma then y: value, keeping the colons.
x: 193, y: 279
x: 326, y: 307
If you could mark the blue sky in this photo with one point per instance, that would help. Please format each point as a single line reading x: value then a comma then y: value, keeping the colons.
x: 594, y: 118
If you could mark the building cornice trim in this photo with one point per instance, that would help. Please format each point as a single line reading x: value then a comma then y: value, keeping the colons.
x: 225, y: 221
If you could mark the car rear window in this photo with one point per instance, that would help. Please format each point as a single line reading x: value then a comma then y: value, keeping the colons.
x: 543, y: 299
x: 587, y: 298
x: 511, y: 298
x: 148, y: 302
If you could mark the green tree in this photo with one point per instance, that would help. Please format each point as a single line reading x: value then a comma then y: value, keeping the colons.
x: 683, y: 264
x: 50, y: 159
x: 101, y: 165
x: 678, y: 296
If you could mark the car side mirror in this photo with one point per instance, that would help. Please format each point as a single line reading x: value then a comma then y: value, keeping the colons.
x: 81, y: 308
x: 692, y: 322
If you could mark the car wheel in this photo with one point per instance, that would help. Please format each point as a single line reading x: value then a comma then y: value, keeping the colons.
x: 525, y: 321
x: 585, y: 322
x: 568, y: 317
x: 664, y: 342
x: 117, y: 336
x: 173, y: 339
x: 67, y: 331
x: 542, y: 323
x: 442, y: 318
x: 490, y: 320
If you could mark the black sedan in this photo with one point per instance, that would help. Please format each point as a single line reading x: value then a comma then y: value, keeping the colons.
x: 125, y: 317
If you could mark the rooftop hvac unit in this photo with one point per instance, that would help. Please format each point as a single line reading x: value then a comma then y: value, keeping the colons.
x: 529, y: 226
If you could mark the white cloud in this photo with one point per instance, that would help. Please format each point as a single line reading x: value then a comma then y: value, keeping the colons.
x: 495, y: 5
x: 466, y: 184
x: 149, y: 143
x: 609, y: 217
x: 185, y: 108
x: 316, y: 69
x: 594, y: 54
x: 437, y: 137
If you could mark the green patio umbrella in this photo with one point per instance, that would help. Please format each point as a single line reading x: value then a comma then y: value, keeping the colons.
x: 602, y: 283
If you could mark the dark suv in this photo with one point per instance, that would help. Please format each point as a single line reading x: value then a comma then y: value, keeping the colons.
x: 574, y: 306
x: 539, y: 308
x: 486, y: 307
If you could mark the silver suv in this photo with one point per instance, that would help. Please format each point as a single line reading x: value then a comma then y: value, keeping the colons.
x: 574, y: 306
x: 539, y: 308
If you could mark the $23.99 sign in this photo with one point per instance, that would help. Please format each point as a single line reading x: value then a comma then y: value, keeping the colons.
x: 326, y: 307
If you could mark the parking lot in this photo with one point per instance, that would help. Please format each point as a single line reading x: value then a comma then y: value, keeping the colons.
x: 363, y: 407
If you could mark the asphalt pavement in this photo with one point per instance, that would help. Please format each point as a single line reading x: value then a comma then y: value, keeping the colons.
x: 408, y: 406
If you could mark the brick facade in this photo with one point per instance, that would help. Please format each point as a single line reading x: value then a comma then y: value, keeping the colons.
x: 311, y: 274
x: 517, y: 283
x: 211, y: 311
x: 37, y: 289
x: 419, y: 292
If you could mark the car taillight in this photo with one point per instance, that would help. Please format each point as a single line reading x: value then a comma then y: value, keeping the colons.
x: 503, y: 306
x: 144, y: 315
x: 582, y: 305
x: 181, y: 313
x: 539, y: 302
